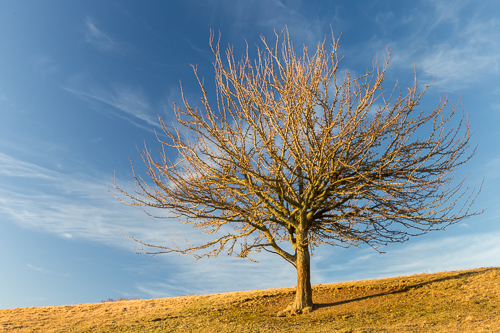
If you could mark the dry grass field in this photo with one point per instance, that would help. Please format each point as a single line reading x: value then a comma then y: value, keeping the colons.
x: 458, y: 301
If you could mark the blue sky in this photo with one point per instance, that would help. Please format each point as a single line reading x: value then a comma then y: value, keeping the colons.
x: 82, y: 83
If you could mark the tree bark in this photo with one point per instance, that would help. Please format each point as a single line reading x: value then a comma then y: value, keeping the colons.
x: 303, y: 296
x: 303, y: 302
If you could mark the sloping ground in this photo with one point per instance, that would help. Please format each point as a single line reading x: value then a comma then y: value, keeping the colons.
x: 459, y: 301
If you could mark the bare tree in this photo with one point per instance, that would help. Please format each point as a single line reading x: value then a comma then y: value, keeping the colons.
x: 293, y: 153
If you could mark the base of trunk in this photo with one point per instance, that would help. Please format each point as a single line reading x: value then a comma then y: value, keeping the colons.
x: 293, y: 310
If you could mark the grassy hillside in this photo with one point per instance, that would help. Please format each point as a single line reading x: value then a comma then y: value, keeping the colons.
x: 459, y: 301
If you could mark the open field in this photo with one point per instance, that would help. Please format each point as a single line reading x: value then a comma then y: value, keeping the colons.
x: 458, y: 301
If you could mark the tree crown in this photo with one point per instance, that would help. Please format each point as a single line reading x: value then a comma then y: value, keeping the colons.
x: 294, y: 152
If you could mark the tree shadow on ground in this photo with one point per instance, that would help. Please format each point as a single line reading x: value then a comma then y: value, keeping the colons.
x: 404, y: 289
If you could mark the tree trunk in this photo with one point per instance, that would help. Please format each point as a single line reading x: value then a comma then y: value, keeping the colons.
x: 303, y: 297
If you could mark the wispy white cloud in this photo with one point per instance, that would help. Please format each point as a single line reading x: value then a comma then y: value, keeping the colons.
x: 456, y: 67
x: 253, y: 20
x: 12, y: 167
x: 222, y: 274
x: 79, y: 207
x: 71, y: 206
x: 127, y: 102
x: 455, y: 45
x: 100, y: 39
x: 76, y: 206
x: 38, y: 269
x: 446, y: 253
x: 156, y: 289
x: 435, y: 254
